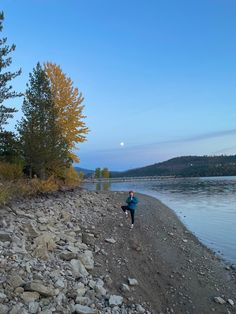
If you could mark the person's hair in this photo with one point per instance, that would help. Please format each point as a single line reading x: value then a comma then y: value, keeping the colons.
x: 131, y: 192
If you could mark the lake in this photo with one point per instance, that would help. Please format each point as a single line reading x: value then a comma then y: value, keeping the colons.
x: 207, y: 206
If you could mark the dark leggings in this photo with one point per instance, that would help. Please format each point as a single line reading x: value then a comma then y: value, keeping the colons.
x: 125, y: 208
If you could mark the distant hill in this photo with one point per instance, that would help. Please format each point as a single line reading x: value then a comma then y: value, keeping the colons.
x: 87, y: 172
x: 187, y: 166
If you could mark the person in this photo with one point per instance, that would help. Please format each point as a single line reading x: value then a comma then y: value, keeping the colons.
x: 132, y: 202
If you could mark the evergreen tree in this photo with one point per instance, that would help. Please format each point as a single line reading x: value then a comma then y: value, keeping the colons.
x: 43, y: 148
x: 6, y: 91
x: 97, y: 173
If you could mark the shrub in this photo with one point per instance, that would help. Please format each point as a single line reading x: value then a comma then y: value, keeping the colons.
x: 10, y: 171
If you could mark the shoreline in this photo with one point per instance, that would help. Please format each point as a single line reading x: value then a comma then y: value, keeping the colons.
x: 175, y: 272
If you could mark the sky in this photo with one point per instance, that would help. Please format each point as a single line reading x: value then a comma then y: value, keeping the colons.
x: 157, y: 76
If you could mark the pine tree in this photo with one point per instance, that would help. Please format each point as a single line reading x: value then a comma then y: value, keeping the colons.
x: 43, y: 148
x: 68, y: 104
x: 97, y: 173
x: 6, y: 91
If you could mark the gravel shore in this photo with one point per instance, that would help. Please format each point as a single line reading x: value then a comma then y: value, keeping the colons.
x: 74, y: 252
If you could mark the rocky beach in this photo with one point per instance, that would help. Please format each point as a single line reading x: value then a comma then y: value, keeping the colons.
x: 74, y: 252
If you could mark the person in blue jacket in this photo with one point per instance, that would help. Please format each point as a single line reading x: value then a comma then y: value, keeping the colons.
x: 132, y: 202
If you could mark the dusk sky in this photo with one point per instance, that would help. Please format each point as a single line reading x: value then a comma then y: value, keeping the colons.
x: 157, y: 76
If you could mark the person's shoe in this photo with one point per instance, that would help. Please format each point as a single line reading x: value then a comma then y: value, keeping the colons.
x: 131, y: 227
x: 126, y: 214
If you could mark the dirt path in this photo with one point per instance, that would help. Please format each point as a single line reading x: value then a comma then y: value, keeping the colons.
x: 175, y: 272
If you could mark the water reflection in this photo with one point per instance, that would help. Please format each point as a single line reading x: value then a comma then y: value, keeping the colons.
x: 205, y: 205
x: 102, y: 186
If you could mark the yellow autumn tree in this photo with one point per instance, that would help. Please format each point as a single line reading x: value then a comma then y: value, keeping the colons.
x: 68, y: 104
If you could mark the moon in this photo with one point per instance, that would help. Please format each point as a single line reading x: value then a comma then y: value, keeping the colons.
x: 122, y: 144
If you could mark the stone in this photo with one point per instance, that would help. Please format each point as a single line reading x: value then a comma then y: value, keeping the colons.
x: 4, y: 309
x: 88, y: 238
x: 67, y: 256
x: 33, y: 307
x: 132, y: 281
x: 83, y: 300
x: 43, y: 290
x: 78, y: 268
x: 231, y: 302
x: 29, y: 296
x: 43, y: 244
x: 139, y: 308
x: 219, y: 300
x: 87, y: 259
x: 5, y: 237
x: 115, y: 300
x: 2, y: 296
x: 18, y: 309
x: 60, y: 283
x: 110, y: 240
x: 19, y: 290
x: 83, y: 309
x: 30, y: 229
x: 125, y: 288
x: 100, y: 290
x: 15, y: 281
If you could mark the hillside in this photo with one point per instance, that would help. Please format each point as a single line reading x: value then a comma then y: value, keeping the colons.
x: 187, y: 166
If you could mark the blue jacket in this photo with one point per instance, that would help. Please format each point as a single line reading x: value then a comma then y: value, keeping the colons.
x: 132, y: 204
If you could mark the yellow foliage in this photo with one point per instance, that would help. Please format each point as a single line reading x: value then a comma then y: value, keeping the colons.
x: 44, y: 186
x: 72, y: 177
x: 68, y: 103
x: 10, y: 171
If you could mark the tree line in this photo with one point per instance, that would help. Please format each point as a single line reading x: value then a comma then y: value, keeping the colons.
x: 52, y: 125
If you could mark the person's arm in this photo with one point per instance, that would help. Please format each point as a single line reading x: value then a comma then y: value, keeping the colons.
x: 128, y: 200
x: 135, y: 200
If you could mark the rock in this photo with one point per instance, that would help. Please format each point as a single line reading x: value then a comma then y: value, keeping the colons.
x: 33, y: 307
x: 29, y: 228
x: 67, y: 256
x: 5, y: 237
x: 83, y: 300
x: 231, y: 302
x: 132, y: 281
x: 110, y: 240
x: 43, y: 244
x: 60, y: 283
x: 83, y: 309
x: 87, y: 259
x: 4, y: 309
x: 2, y: 296
x: 15, y: 281
x: 115, y: 300
x: 139, y: 308
x: 124, y: 287
x: 185, y: 240
x: 39, y: 287
x: 219, y: 300
x: 29, y: 296
x: 88, y: 238
x: 78, y: 268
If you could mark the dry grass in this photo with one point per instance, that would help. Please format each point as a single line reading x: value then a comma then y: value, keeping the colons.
x: 22, y: 187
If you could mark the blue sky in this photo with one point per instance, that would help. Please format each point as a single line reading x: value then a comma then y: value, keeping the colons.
x: 159, y: 76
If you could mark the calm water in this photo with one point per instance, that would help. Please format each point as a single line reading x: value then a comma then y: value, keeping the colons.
x: 207, y: 206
